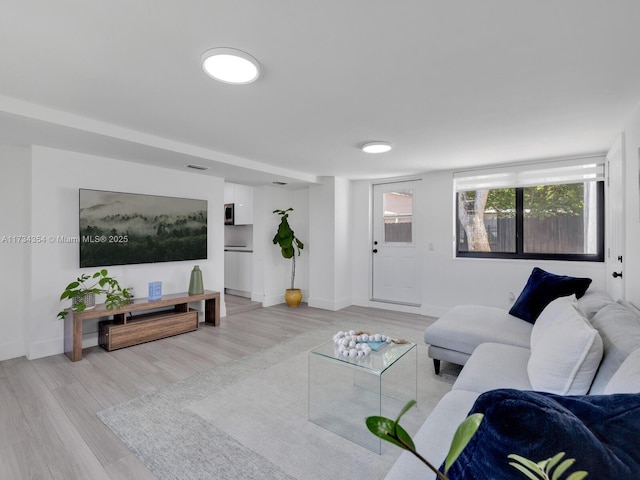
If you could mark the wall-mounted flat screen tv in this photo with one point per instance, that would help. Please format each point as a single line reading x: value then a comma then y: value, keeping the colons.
x: 127, y: 228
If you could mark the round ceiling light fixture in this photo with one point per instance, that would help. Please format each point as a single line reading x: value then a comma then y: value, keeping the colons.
x: 376, y: 147
x: 229, y: 65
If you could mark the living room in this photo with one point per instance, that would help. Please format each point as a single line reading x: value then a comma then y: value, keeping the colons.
x: 65, y: 151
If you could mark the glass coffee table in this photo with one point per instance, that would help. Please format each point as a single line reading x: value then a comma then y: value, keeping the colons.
x: 344, y: 391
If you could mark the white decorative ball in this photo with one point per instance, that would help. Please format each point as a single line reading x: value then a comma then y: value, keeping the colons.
x: 365, y: 337
x: 352, y: 332
x: 352, y: 344
x: 353, y: 352
x: 377, y: 337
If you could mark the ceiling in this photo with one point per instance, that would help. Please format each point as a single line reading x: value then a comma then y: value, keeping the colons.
x: 452, y: 84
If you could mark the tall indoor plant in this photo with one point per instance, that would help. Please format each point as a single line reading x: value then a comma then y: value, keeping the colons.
x: 289, y: 243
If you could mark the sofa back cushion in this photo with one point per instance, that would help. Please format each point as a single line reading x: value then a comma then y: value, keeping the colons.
x: 635, y: 310
x: 627, y: 377
x: 593, y: 301
x: 548, y: 317
x: 565, y: 352
x: 620, y: 332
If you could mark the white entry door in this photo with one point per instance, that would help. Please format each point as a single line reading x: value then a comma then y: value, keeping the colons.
x: 614, y: 218
x: 395, y: 257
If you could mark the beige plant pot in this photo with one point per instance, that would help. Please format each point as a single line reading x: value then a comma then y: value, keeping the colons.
x: 293, y: 297
x: 89, y: 300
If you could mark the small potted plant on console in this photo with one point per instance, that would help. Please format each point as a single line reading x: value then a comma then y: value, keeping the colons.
x: 82, y: 294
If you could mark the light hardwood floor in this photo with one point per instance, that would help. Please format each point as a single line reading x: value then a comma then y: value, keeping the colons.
x: 48, y: 423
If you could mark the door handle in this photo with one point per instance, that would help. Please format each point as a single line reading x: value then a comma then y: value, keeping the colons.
x: 375, y: 250
x: 616, y: 274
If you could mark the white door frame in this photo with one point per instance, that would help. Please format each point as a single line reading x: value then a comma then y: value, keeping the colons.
x: 615, y: 220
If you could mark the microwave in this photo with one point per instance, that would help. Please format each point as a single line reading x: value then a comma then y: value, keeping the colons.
x: 229, y: 215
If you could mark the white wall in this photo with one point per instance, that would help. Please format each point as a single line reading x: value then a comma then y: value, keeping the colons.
x: 342, y: 215
x: 330, y: 262
x: 446, y: 280
x: 632, y: 207
x: 56, y: 177
x: 15, y: 252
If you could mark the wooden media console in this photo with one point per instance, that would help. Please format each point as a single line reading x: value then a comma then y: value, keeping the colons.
x: 131, y: 326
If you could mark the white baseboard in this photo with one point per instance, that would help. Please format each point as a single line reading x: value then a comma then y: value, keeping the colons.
x: 45, y: 349
x: 332, y: 305
x: 396, y: 307
x: 434, y: 311
x: 425, y: 310
x: 11, y: 350
x: 360, y: 301
x: 272, y: 300
x: 239, y: 293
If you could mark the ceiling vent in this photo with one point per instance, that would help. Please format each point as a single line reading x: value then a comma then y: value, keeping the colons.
x: 197, y: 167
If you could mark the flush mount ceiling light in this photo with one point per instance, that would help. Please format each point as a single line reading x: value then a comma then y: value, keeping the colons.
x: 229, y: 65
x: 376, y: 147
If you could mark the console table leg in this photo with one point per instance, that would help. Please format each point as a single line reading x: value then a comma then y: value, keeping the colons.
x: 73, y: 337
x: 212, y: 311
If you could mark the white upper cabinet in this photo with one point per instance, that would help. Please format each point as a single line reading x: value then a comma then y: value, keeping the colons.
x: 242, y: 198
x: 229, y: 192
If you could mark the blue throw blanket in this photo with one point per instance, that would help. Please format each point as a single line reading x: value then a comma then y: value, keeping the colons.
x: 602, y: 432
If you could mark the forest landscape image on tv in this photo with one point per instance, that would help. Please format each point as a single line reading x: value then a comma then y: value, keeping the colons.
x: 128, y: 228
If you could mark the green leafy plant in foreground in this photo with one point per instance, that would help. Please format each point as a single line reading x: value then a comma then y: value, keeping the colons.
x: 392, y: 432
x: 543, y: 469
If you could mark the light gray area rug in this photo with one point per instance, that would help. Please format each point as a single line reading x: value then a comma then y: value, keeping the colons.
x: 247, y: 419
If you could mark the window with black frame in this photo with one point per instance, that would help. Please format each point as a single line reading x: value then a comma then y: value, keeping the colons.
x: 545, y: 211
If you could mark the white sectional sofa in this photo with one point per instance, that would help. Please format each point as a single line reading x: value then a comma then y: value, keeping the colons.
x: 501, y: 351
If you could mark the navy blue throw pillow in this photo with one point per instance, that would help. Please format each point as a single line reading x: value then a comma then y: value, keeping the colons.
x: 541, y: 289
x: 599, y: 431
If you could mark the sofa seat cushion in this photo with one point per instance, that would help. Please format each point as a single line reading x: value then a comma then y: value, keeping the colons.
x: 599, y: 431
x: 495, y: 365
x: 620, y: 332
x: 541, y: 289
x: 433, y: 439
x: 565, y: 350
x: 465, y: 327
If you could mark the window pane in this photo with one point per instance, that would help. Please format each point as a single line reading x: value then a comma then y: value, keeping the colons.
x: 561, y: 219
x: 398, y: 216
x: 486, y: 220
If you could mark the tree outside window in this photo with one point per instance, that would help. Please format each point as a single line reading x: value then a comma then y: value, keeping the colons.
x: 546, y: 221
